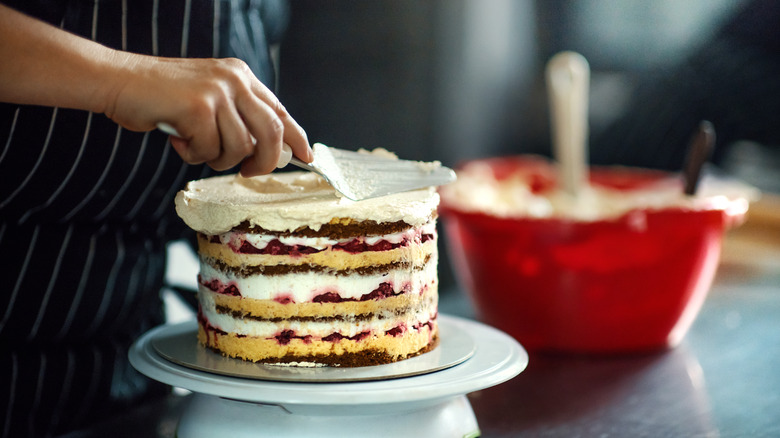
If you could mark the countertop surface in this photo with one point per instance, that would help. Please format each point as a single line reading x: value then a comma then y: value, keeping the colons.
x: 722, y: 381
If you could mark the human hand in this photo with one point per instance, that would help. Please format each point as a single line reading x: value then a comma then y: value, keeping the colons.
x: 223, y: 114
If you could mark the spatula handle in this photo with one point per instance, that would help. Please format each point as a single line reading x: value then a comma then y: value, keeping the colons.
x: 285, y: 156
x: 168, y: 129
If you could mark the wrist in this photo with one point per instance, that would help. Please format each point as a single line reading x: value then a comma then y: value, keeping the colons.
x: 112, y: 70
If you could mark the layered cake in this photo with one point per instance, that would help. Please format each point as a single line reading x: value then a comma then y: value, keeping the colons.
x: 291, y: 273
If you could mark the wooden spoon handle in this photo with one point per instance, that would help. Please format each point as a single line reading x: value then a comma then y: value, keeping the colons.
x: 568, y: 78
x: 699, y: 152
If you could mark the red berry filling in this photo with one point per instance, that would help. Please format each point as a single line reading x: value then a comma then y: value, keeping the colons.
x: 397, y: 331
x: 354, y: 246
x: 328, y: 297
x: 275, y: 247
x: 210, y: 330
x: 419, y: 326
x: 336, y: 337
x: 219, y: 287
x: 286, y: 336
x: 357, y: 246
x: 284, y: 299
x: 385, y: 290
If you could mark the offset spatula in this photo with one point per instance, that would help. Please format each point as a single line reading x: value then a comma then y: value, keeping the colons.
x: 363, y: 175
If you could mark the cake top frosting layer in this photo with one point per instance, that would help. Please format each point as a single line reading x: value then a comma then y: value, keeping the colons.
x: 286, y: 201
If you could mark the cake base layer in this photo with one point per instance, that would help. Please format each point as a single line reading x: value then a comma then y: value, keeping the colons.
x: 374, y: 350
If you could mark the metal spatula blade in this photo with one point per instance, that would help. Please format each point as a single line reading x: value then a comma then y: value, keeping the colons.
x: 364, y: 175
x: 357, y: 175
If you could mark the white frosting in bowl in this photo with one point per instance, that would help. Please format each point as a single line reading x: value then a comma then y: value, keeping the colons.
x: 290, y: 200
x: 477, y: 189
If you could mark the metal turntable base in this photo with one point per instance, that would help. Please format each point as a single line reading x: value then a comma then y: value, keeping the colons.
x: 424, y: 397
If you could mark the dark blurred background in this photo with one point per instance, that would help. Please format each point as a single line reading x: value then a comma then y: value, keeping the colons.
x: 451, y: 80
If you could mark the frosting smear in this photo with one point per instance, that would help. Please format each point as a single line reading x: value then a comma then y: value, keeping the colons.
x: 286, y: 201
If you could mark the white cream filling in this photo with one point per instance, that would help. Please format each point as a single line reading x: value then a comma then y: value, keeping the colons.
x: 298, y: 364
x: 235, y: 239
x: 382, y: 323
x: 303, y: 287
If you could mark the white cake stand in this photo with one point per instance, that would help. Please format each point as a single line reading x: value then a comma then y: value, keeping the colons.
x: 431, y: 404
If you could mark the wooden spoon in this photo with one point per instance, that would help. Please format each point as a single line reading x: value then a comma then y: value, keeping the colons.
x: 568, y: 78
x: 699, y: 152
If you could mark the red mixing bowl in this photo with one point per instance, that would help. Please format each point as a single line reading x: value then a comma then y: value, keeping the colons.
x: 631, y: 283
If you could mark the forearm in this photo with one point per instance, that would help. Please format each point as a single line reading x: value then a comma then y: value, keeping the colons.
x: 45, y: 65
x: 217, y: 105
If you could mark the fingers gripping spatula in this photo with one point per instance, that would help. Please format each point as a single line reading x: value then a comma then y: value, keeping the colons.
x: 363, y: 175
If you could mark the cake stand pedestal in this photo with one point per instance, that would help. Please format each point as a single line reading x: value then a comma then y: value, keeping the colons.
x: 431, y: 404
